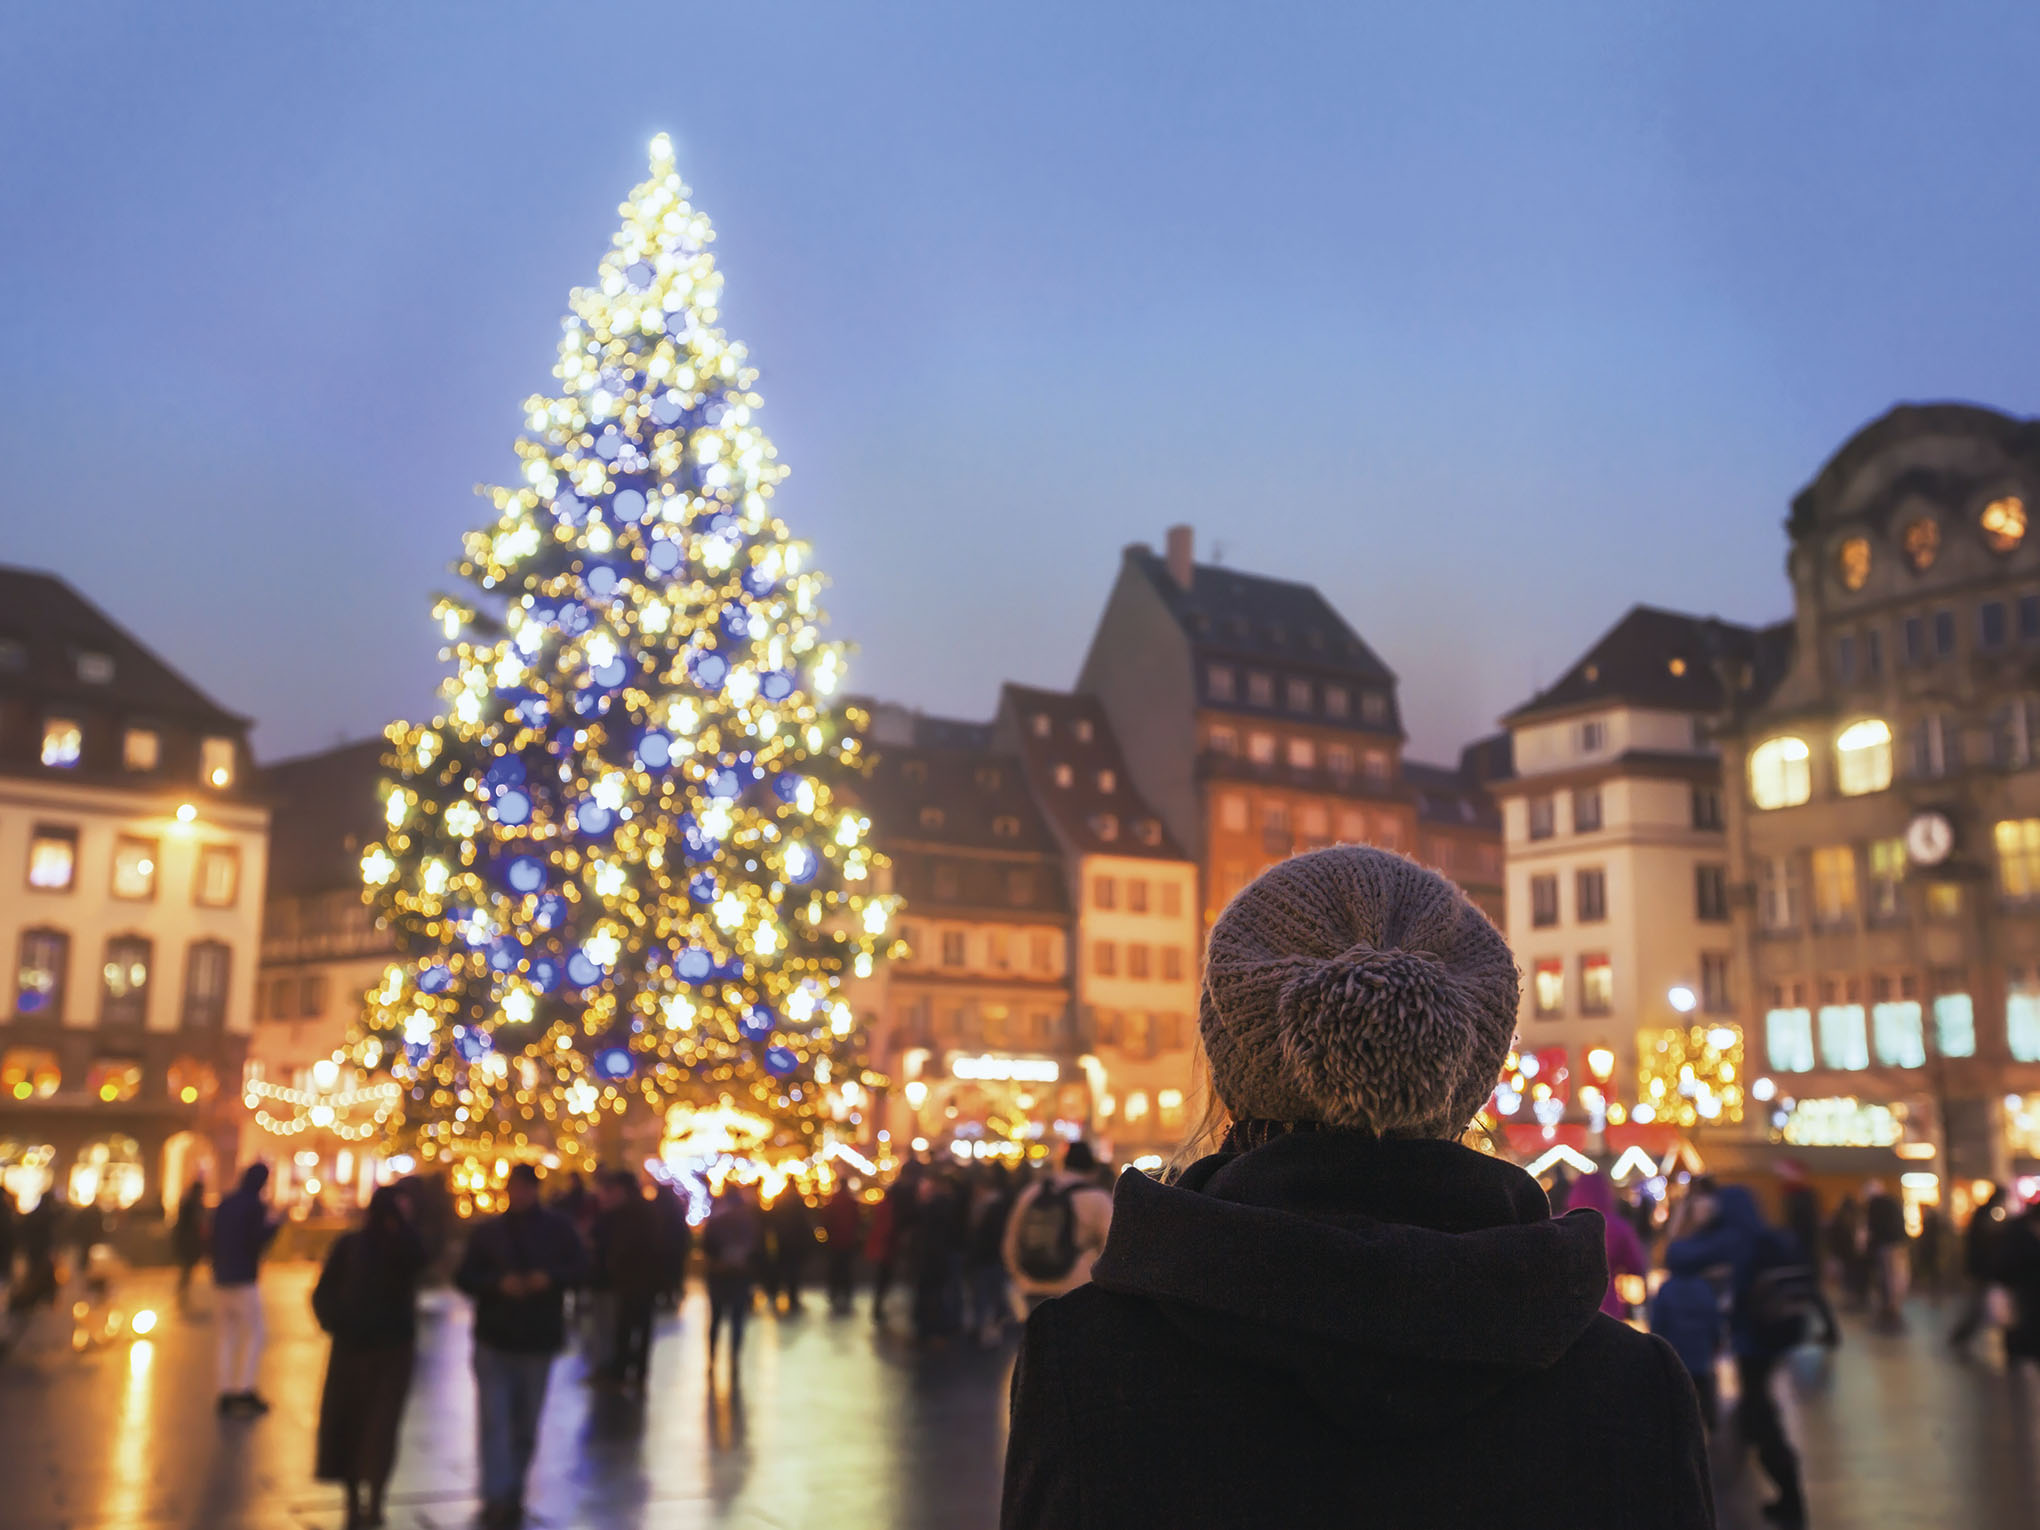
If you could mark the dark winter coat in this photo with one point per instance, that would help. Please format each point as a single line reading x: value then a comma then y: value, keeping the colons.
x: 1686, y: 1314
x: 242, y: 1229
x: 1729, y: 1251
x: 520, y: 1243
x: 1337, y: 1331
x: 1884, y: 1221
x: 630, y: 1249
x: 187, y: 1236
x: 367, y: 1295
x: 1981, y: 1237
x: 2018, y: 1270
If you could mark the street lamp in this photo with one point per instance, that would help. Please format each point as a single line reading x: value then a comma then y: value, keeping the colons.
x: 1683, y: 999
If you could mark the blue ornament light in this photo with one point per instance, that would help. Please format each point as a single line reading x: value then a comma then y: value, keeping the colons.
x: 725, y: 784
x: 472, y: 1044
x: 593, y: 818
x: 550, y: 912
x: 701, y: 887
x: 526, y: 874
x: 582, y: 970
x: 629, y: 505
x: 711, y: 669
x: 775, y: 685
x: 756, y: 1023
x: 779, y: 1061
x: 654, y: 750
x: 615, y: 1062
x: 694, y: 965
x: 601, y: 580
x: 513, y: 808
x: 435, y: 978
x: 786, y: 786
x: 545, y: 974
x: 663, y: 556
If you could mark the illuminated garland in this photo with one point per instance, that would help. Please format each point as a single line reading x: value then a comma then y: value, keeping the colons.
x: 617, y: 861
x: 323, y: 1110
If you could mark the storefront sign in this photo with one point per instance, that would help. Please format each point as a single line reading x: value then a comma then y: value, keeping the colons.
x: 990, y: 1067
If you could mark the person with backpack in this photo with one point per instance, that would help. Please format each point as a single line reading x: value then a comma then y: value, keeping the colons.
x: 1058, y: 1228
x: 366, y: 1301
x: 1772, y: 1294
x: 1344, y: 1315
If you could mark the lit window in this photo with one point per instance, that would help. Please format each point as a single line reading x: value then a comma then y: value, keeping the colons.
x: 1315, y: 823
x: 1338, y: 701
x: 1218, y: 681
x: 1064, y: 776
x: 39, y: 979
x: 1136, y: 1106
x: 1172, y: 964
x: 1261, y: 748
x: 1852, y: 562
x: 1548, y: 986
x: 1104, y: 892
x: 1788, y: 1038
x: 112, y: 1081
x: 1352, y: 826
x: 53, y: 858
x: 1104, y: 958
x: 1232, y: 812
x: 1900, y: 1037
x: 2022, y: 1018
x: 1169, y: 1108
x: 1172, y: 901
x: 94, y: 668
x: 1302, y: 754
x: 1374, y: 765
x: 1834, y: 884
x: 1922, y: 543
x: 1944, y: 900
x: 1043, y: 725
x: 2004, y: 523
x: 1081, y: 730
x: 2018, y: 852
x: 1108, y: 783
x: 124, y: 981
x: 29, y: 1073
x: 1844, y: 1040
x: 1136, y: 895
x: 1781, y: 772
x: 1863, y: 757
x: 1298, y: 695
x: 1339, y: 760
x: 1041, y: 952
x: 1224, y: 741
x: 141, y: 749
x: 1260, y: 690
x: 1597, y: 985
x: 1136, y: 960
x: 219, y: 876
x: 61, y: 742
x: 216, y: 762
x: 1886, y: 900
x: 134, y: 867
x: 1955, y: 1025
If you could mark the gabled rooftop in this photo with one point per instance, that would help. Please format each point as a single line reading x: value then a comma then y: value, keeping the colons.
x: 1667, y: 660
x: 1079, y: 774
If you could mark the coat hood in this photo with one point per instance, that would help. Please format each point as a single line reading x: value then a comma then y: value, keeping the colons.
x: 253, y: 1178
x: 1400, y: 1282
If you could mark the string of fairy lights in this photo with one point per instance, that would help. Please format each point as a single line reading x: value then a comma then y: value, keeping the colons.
x: 618, y: 861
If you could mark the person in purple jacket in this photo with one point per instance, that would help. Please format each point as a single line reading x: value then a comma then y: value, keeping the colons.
x: 1596, y: 1192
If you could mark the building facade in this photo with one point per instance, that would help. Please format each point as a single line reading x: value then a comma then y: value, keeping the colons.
x: 1134, y: 938
x: 132, y: 858
x: 1884, y: 816
x: 976, y: 1025
x: 1618, y: 877
x: 316, y: 1119
x: 1254, y: 718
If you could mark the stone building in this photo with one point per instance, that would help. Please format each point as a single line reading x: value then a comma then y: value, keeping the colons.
x: 1618, y: 866
x: 131, y: 915
x: 1133, y: 895
x: 1884, y: 821
x: 1254, y: 718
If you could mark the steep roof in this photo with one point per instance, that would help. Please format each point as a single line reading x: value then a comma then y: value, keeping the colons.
x: 1065, y: 737
x: 45, y: 628
x: 1230, y: 614
x: 1447, y: 795
x: 1658, y: 658
x: 947, y: 786
x: 2017, y: 440
x: 325, y: 810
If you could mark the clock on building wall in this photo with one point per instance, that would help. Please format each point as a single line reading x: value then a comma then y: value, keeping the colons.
x: 1929, y: 838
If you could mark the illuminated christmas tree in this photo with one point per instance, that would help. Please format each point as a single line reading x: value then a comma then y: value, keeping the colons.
x: 617, y: 863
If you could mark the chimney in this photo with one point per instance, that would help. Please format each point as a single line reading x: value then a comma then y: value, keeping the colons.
x: 1182, y: 546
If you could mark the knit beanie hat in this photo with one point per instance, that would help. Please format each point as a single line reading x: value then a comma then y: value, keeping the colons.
x: 1354, y: 988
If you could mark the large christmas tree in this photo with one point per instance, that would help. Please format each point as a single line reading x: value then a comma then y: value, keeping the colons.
x: 617, y: 863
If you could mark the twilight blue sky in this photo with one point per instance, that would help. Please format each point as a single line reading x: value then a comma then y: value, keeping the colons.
x: 1491, y: 319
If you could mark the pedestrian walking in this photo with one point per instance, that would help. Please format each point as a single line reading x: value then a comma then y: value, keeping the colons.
x: 1980, y: 1240
x: 242, y: 1231
x: 36, y: 1288
x: 1596, y: 1193
x: 1057, y: 1228
x: 940, y: 1222
x: 366, y: 1301
x: 1887, y: 1254
x: 630, y: 1260
x: 187, y: 1235
x: 892, y: 1232
x: 1846, y: 1248
x: 676, y: 1242
x: 732, y: 1241
x: 1770, y: 1300
x: 517, y: 1269
x: 792, y: 1228
x: 1685, y: 1312
x: 842, y: 1219
x: 984, y: 1254
x: 1342, y: 1313
x: 1803, y: 1221
x: 2017, y: 1270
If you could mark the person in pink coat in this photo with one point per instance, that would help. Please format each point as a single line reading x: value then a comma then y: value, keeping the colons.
x: 1596, y: 1192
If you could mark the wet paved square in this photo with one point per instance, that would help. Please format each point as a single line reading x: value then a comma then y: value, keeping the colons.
x: 835, y: 1425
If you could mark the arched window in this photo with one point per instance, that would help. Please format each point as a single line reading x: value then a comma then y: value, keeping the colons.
x: 1863, y: 757
x: 1781, y: 772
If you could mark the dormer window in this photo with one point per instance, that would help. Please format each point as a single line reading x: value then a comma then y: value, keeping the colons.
x: 1106, y: 826
x: 1148, y: 831
x: 1064, y: 776
x: 216, y: 762
x: 94, y: 668
x: 931, y: 818
x: 1043, y: 725
x: 1260, y: 690
x: 1006, y: 826
x: 914, y: 773
x: 1082, y: 729
x: 141, y: 749
x: 62, y: 742
x: 1108, y: 782
x: 988, y: 778
x: 1593, y: 736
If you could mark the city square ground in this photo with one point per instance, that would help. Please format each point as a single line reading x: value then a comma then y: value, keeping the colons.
x: 835, y: 1425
